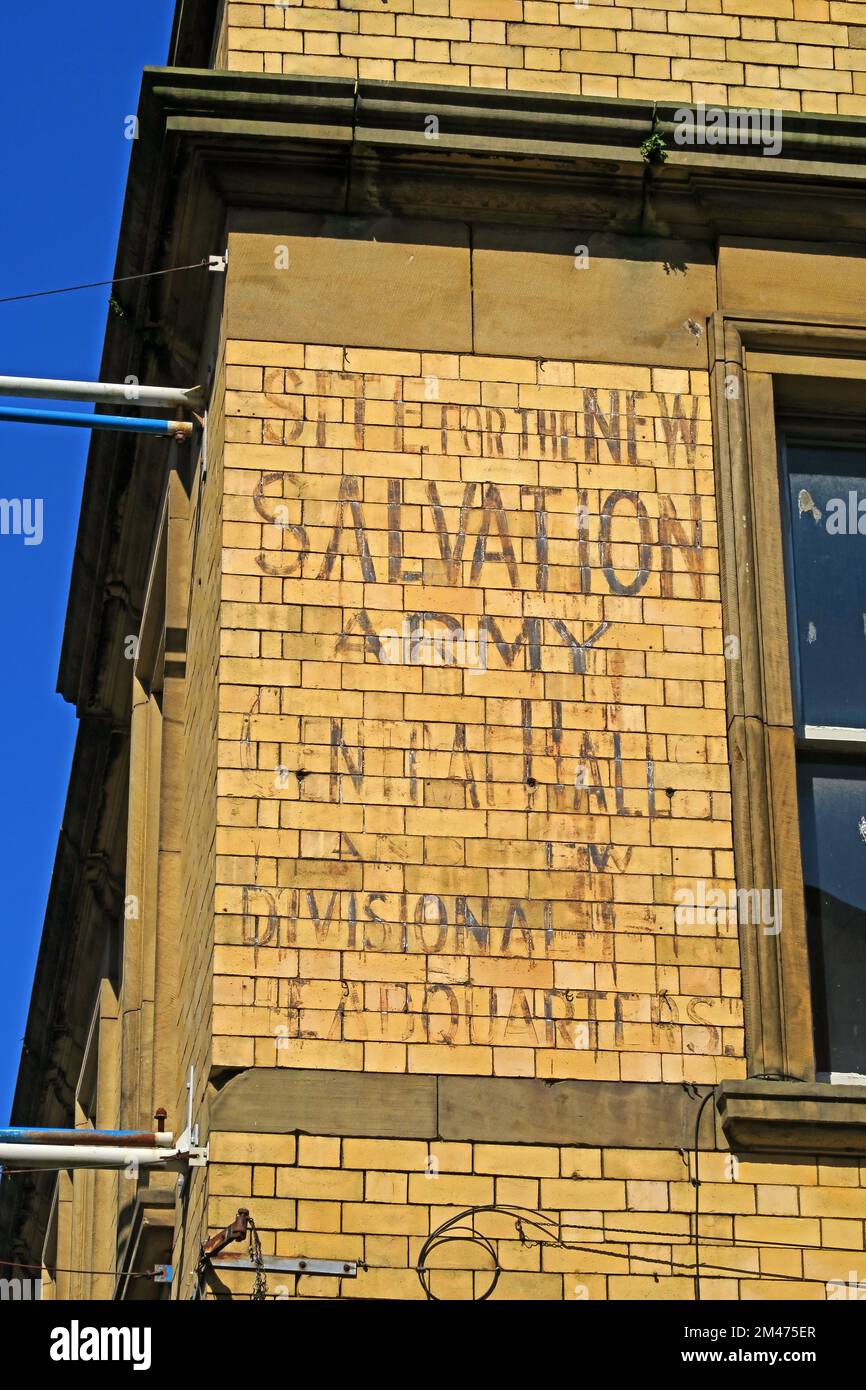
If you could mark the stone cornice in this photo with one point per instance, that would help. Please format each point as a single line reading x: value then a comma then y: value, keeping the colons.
x: 332, y: 144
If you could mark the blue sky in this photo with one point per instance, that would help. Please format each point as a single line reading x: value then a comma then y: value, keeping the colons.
x: 71, y: 75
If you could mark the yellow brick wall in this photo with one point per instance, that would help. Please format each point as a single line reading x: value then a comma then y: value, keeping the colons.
x: 790, y: 55
x: 428, y: 867
x: 769, y: 1229
x: 195, y: 980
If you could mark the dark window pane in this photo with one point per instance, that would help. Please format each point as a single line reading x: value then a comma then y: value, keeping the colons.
x: 833, y: 839
x: 826, y: 488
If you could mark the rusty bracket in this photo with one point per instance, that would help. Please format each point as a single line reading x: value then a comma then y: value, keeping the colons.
x: 238, y: 1230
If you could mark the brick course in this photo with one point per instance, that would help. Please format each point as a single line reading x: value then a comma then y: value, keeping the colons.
x: 794, y: 55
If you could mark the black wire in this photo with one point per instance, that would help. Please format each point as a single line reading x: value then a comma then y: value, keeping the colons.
x: 697, y: 1183
x: 548, y: 1227
x: 721, y: 1271
x: 520, y: 1215
x: 542, y: 1224
x: 13, y: 1172
x: 551, y: 1229
x: 450, y: 1231
x: 57, y: 1269
x: 98, y: 284
x: 441, y: 1236
x: 625, y: 1235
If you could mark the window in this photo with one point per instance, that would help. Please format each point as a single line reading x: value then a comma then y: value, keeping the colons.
x: 832, y: 799
x: 790, y: 456
x: 824, y: 508
x: 825, y: 494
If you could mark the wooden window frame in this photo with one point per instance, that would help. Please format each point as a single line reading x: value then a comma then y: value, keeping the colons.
x: 759, y: 370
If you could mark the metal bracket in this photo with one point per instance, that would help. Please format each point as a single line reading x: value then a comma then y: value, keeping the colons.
x: 218, y: 263
x: 162, y: 1274
x: 212, y: 1256
x: 197, y: 1155
x: 340, y: 1269
x: 236, y: 1231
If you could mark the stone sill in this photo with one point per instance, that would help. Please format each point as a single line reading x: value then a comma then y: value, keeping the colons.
x: 793, y: 1116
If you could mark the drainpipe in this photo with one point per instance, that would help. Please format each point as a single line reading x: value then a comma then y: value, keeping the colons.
x: 178, y: 429
x: 101, y: 393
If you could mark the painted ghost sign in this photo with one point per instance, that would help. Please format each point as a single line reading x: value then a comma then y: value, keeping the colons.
x: 489, y: 668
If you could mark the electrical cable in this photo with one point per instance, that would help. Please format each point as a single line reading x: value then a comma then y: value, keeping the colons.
x: 56, y: 1269
x: 390, y: 1269
x: 439, y: 1238
x: 98, y: 284
x: 621, y: 1233
x: 453, y: 1231
x: 616, y: 1236
x: 447, y: 1235
x: 697, y: 1186
x: 549, y: 1229
x: 13, y: 1172
x: 526, y: 1218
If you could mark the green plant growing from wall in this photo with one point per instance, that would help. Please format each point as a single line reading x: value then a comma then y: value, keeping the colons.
x: 654, y: 150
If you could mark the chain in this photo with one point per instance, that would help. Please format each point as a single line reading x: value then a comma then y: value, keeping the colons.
x: 260, y: 1285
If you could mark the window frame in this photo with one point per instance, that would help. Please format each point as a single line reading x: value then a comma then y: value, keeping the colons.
x: 836, y: 740
x: 843, y: 746
x: 762, y: 372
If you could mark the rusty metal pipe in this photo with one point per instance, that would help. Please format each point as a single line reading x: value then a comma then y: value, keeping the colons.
x: 92, y: 1138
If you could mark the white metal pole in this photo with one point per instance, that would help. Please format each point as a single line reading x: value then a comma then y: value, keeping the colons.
x: 103, y: 393
x: 87, y: 1156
